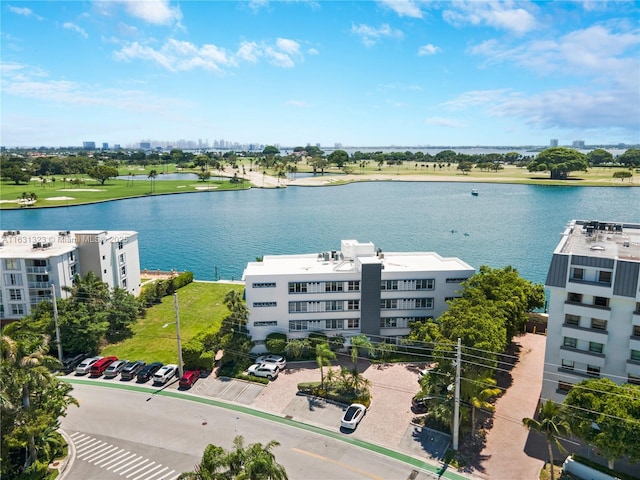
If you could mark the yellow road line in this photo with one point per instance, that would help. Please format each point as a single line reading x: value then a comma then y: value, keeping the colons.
x: 343, y: 465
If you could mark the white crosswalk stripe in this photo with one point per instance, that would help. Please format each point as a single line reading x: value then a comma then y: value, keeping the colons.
x: 118, y: 460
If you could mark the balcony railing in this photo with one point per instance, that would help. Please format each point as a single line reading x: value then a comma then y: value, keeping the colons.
x: 586, y: 329
x: 39, y: 285
x: 595, y: 283
x: 588, y: 305
x: 586, y: 352
x: 37, y: 269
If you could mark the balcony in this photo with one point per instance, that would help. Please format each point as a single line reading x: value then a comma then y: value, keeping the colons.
x: 583, y: 356
x: 586, y: 287
x: 39, y: 285
x: 583, y: 333
x: 634, y: 343
x: 633, y: 367
x: 587, y: 310
x: 38, y: 269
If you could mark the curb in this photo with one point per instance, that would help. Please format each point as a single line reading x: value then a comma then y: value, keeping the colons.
x: 69, y: 460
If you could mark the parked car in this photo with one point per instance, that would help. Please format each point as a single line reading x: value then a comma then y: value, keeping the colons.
x: 277, y: 360
x: 132, y: 369
x: 165, y: 374
x: 101, y: 365
x: 69, y: 364
x: 147, y: 372
x: 189, y: 378
x: 267, y: 370
x: 352, y: 416
x: 86, y: 364
x: 115, y: 368
x: 420, y: 404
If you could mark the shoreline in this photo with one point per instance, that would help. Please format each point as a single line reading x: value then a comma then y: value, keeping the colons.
x: 334, y: 179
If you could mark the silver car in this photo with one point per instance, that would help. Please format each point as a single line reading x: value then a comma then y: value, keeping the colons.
x: 115, y: 368
x: 86, y: 365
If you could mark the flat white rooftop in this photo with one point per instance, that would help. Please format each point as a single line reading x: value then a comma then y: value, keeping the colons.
x: 48, y: 243
x: 602, y: 239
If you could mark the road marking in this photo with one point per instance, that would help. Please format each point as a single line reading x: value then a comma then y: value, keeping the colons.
x: 127, y: 464
x: 159, y: 473
x: 121, y: 461
x: 340, y: 464
x: 148, y: 472
x: 90, y: 447
x: 98, y: 455
x: 107, y: 458
x: 171, y: 473
x: 141, y: 468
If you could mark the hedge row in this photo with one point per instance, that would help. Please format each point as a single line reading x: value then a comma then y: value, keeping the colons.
x: 153, y: 293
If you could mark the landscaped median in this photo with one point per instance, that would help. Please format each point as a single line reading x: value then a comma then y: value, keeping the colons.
x: 440, y: 470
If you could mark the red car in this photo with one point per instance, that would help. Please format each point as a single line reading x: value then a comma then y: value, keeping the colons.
x: 101, y: 365
x: 189, y: 378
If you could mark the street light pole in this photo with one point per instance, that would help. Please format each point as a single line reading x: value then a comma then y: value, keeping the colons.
x: 55, y: 321
x: 456, y: 406
x: 175, y: 304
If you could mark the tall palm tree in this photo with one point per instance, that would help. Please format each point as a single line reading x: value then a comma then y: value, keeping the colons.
x: 358, y: 343
x: 552, y: 423
x: 324, y: 355
x: 479, y: 392
x: 152, y: 176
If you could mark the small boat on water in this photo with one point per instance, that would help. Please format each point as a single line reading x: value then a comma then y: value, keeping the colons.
x: 475, y: 192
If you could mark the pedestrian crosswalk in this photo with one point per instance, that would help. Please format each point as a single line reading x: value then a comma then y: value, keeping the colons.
x: 120, y: 461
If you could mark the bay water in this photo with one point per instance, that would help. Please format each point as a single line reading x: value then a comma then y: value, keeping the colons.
x: 215, y: 234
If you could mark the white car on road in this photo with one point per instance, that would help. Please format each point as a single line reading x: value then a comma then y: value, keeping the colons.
x: 267, y: 370
x: 277, y: 360
x: 165, y: 374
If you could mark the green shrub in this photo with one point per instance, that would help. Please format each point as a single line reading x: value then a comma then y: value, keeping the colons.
x: 336, y: 342
x: 251, y: 378
x: 316, y: 338
x: 276, y: 343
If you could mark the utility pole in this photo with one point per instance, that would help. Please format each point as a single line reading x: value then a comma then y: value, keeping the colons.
x: 175, y: 304
x: 456, y: 405
x: 55, y: 321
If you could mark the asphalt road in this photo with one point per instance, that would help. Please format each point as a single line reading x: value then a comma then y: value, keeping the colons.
x: 121, y: 434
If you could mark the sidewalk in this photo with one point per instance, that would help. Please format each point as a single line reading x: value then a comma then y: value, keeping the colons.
x: 504, y: 451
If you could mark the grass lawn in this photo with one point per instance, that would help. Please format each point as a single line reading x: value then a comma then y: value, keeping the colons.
x: 200, y: 306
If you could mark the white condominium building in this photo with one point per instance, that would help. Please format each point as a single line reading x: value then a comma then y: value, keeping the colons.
x: 594, y: 306
x: 32, y: 261
x: 355, y: 290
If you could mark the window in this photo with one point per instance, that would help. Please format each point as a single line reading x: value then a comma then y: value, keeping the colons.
x: 425, y: 284
x: 334, y: 306
x: 354, y: 286
x: 353, y: 305
x: 72, y: 256
x: 389, y: 285
x: 297, y: 325
x: 12, y: 279
x: 124, y: 283
x: 570, y: 342
x: 424, y: 303
x: 297, y: 287
x: 595, y: 347
x: 578, y: 273
x: 333, y: 287
x: 17, y: 309
x: 593, y: 370
x: 40, y: 263
x: 269, y: 323
x: 604, y: 277
x: 601, y: 301
x: 73, y: 269
x: 388, y: 322
x: 15, y: 294
x: 334, y: 324
x: 635, y: 355
x: 572, y: 319
x: 42, y: 278
x: 575, y: 297
x: 296, y: 307
x: 564, y: 386
x: 636, y: 331
x: 11, y: 264
x: 568, y: 364
x: 598, y: 324
x: 120, y: 245
x: 123, y: 271
x: 265, y: 304
x: 389, y: 303
x: 456, y: 280
x: 121, y: 258
x: 353, y: 323
x: 264, y: 285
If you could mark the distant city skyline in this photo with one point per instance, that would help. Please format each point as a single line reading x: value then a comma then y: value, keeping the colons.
x: 360, y: 73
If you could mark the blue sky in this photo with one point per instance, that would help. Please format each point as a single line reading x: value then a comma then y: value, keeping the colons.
x: 364, y: 73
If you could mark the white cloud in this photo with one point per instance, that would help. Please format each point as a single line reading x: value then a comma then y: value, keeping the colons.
x: 475, y: 98
x: 156, y: 12
x: 370, y: 35
x: 404, y: 8
x: 445, y: 122
x: 506, y: 15
x: 75, y: 28
x: 428, y: 49
x: 178, y: 55
x: 27, y: 12
x: 313, y: 51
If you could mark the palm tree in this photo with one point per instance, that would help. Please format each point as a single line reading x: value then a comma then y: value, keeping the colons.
x: 152, y: 176
x: 360, y: 342
x: 297, y: 347
x: 552, y: 423
x: 324, y: 355
x: 255, y: 462
x: 479, y: 392
x: 237, y: 308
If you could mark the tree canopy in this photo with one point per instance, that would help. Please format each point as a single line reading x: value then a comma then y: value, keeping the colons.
x: 270, y: 150
x: 630, y: 158
x: 559, y: 161
x: 599, y: 156
x: 102, y: 173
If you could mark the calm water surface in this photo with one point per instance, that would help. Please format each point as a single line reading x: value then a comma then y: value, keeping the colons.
x: 212, y: 233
